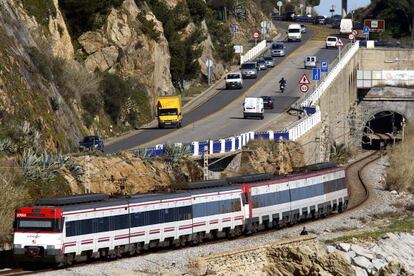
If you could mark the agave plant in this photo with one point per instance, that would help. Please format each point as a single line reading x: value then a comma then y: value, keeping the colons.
x: 175, y: 153
x: 42, y: 166
x: 7, y: 146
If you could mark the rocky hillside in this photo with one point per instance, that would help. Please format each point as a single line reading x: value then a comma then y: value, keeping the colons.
x: 69, y: 68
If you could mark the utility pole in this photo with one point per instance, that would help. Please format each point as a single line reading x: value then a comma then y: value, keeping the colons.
x: 403, y: 129
x: 205, y: 163
x: 324, y: 140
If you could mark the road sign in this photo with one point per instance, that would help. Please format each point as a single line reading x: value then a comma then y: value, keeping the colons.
x: 375, y: 25
x: 316, y: 74
x: 304, y: 88
x: 256, y: 35
x: 209, y: 62
x: 234, y: 28
x: 279, y: 3
x: 366, y: 30
x: 308, y: 10
x: 238, y: 49
x: 351, y: 36
x: 339, y: 43
x: 354, y: 32
x: 304, y: 80
x: 324, y: 66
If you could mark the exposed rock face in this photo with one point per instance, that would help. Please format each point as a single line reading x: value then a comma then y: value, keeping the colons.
x: 120, y: 46
x: 126, y: 173
x: 61, y: 42
x: 208, y: 49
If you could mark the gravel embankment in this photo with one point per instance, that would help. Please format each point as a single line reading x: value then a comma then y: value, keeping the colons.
x: 177, y: 261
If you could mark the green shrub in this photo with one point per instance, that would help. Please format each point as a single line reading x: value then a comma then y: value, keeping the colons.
x: 148, y: 27
x: 197, y: 9
x: 40, y: 9
x: 91, y: 103
x: 125, y: 100
x: 86, y: 15
x: 221, y: 37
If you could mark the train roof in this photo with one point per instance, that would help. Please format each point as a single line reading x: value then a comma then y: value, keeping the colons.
x: 72, y: 199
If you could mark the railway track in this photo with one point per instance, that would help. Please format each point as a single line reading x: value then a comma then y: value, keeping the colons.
x: 358, y: 191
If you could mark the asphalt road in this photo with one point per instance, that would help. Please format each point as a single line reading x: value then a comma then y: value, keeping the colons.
x: 221, y: 116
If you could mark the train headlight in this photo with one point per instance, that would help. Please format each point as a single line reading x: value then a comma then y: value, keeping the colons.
x: 17, y: 246
x: 50, y: 247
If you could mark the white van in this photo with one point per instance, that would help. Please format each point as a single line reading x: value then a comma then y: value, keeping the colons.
x: 346, y: 26
x: 253, y: 107
x: 294, y: 32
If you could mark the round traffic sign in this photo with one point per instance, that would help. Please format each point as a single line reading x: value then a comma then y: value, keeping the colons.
x: 354, y: 32
x: 351, y: 36
x: 209, y: 63
x: 256, y: 35
x: 304, y: 88
x: 279, y: 3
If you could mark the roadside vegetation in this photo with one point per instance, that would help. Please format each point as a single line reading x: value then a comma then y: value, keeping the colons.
x: 396, y: 225
x: 400, y: 173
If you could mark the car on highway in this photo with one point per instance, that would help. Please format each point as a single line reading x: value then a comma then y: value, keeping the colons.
x: 302, y: 28
x: 278, y: 49
x: 321, y: 20
x: 261, y: 63
x: 234, y: 80
x: 249, y: 70
x: 331, y: 42
x: 267, y: 102
x: 294, y: 32
x: 92, y: 142
x: 310, y: 62
x: 253, y: 107
x: 269, y: 61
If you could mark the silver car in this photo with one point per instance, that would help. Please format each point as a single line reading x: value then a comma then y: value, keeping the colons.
x: 278, y: 49
x: 249, y: 70
x: 269, y: 61
x: 261, y: 63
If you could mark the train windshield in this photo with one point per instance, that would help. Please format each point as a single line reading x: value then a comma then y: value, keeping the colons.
x: 38, y: 225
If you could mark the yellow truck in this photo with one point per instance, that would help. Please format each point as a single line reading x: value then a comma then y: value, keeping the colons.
x: 169, y: 111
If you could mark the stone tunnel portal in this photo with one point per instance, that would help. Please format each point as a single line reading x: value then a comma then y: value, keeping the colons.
x: 388, y: 124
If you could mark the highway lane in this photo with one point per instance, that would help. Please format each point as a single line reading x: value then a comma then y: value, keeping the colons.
x: 217, y: 102
x: 229, y: 121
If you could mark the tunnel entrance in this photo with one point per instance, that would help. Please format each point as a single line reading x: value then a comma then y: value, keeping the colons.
x: 385, y: 127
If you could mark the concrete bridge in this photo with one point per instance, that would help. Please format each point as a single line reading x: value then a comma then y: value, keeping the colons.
x: 349, y: 113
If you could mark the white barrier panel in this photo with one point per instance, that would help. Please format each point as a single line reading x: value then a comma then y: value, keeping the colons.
x: 271, y: 135
x: 251, y: 135
x: 253, y: 52
x: 223, y: 145
x: 314, y: 96
x: 159, y: 146
x: 210, y: 147
x: 196, y: 147
x: 304, y: 125
x: 239, y: 137
x: 233, y: 143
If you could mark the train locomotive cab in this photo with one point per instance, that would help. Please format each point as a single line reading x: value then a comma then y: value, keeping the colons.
x: 38, y: 235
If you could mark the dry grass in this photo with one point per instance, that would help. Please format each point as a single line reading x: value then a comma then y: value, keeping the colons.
x: 400, y: 173
x: 11, y: 197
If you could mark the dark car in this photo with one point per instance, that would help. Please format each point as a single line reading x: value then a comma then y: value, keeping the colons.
x: 91, y: 143
x: 267, y: 102
x: 261, y: 63
x: 269, y: 62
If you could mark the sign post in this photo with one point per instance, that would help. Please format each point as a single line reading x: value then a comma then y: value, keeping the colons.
x: 304, y: 84
x: 324, y: 66
x: 279, y: 4
x: 339, y: 44
x: 209, y: 64
x: 255, y: 36
x: 366, y: 31
x: 316, y: 75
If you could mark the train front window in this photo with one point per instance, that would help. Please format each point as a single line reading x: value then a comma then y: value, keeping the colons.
x: 38, y: 225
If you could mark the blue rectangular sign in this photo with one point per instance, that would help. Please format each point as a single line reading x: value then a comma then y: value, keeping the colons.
x: 324, y: 66
x: 316, y: 74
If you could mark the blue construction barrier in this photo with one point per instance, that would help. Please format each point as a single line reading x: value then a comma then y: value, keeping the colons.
x: 216, y: 146
x: 284, y: 135
x: 227, y: 145
x: 309, y: 109
x: 263, y: 135
x: 201, y: 146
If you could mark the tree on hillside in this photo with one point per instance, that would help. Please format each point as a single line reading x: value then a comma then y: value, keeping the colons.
x: 402, y: 11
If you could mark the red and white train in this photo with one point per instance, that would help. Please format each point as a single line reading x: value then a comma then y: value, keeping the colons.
x: 74, y: 228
